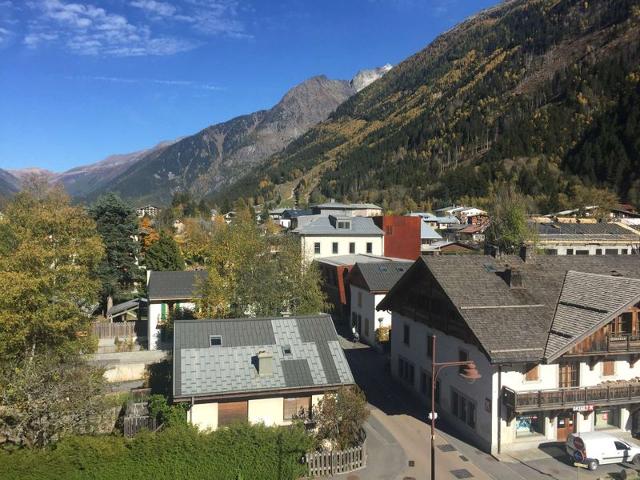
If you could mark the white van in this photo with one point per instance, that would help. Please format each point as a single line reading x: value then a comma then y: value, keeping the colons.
x: 591, y: 449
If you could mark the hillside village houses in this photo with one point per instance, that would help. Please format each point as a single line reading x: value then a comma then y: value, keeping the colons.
x: 260, y: 370
x: 556, y: 340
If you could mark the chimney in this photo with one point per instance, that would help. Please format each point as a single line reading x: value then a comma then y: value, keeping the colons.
x: 513, y: 277
x: 265, y: 363
x: 527, y: 253
x: 492, y: 250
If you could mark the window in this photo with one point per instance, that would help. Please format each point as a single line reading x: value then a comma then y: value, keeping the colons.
x: 624, y: 251
x: 344, y: 224
x: 608, y: 368
x: 569, y: 251
x: 529, y: 424
x: 352, y: 247
x: 215, y: 340
x: 582, y: 252
x: 551, y: 251
x: 532, y: 372
x: 369, y: 247
x: 406, y: 334
x: 430, y: 346
x: 297, y: 407
x: 334, y: 247
x: 598, y: 251
x: 620, y: 445
x: 463, y: 356
x: 316, y: 248
x: 611, y: 251
x: 406, y: 370
x: 463, y: 408
x: 286, y: 350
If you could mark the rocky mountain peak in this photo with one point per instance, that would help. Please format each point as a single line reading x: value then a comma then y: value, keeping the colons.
x: 364, y: 78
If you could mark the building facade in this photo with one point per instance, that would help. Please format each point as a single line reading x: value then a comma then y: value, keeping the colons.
x: 556, y: 341
x: 559, y: 238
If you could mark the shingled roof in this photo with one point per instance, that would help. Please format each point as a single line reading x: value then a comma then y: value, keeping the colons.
x: 513, y: 324
x: 316, y: 359
x: 172, y: 285
x: 327, y: 225
x: 380, y: 276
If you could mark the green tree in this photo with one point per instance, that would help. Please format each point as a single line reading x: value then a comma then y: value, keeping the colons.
x: 49, y: 253
x: 340, y: 416
x: 251, y: 273
x: 117, y: 225
x: 508, y: 229
x: 164, y: 254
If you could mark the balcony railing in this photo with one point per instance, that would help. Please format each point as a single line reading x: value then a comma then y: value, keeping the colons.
x: 617, y: 392
x: 616, y: 343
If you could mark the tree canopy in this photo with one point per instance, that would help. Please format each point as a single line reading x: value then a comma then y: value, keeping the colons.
x: 164, y: 254
x: 49, y: 254
x: 254, y: 274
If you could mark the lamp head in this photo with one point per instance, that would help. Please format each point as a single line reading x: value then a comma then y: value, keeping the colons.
x: 470, y: 373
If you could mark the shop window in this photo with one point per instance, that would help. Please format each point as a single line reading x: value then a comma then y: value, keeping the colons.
x: 533, y: 372
x: 606, y: 417
x: 530, y: 424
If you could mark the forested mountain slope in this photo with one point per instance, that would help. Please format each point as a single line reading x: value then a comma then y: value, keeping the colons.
x: 542, y: 92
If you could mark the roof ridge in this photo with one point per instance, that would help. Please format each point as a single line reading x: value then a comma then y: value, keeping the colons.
x: 603, y: 275
x: 292, y: 317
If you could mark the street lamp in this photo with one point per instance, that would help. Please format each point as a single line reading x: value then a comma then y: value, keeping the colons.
x: 470, y: 374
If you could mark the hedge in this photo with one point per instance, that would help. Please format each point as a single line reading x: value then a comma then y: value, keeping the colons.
x: 238, y: 452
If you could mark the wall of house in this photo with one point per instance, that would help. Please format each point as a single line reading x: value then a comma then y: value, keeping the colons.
x: 482, y: 392
x: 326, y: 245
x: 368, y: 313
x: 155, y: 319
x: 401, y: 235
x: 269, y: 411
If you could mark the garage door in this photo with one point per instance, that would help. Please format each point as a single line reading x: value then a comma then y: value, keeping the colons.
x: 231, y: 412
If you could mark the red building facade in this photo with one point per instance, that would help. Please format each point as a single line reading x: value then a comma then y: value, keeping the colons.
x: 401, y: 236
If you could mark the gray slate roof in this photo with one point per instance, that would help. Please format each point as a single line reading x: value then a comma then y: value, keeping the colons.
x: 428, y: 233
x: 514, y: 324
x: 325, y: 225
x: 316, y: 358
x: 174, y: 285
x: 128, y: 305
x: 381, y: 276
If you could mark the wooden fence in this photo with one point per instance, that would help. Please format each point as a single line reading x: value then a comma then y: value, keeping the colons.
x: 133, y: 425
x: 336, y: 461
x: 122, y: 330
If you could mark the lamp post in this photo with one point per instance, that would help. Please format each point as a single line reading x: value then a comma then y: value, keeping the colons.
x: 470, y: 374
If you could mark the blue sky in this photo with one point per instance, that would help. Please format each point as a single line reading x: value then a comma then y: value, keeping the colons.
x: 84, y: 79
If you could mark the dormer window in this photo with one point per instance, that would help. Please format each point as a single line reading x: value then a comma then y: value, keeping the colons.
x: 215, y: 340
x: 344, y: 225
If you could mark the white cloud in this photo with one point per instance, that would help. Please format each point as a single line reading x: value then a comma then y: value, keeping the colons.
x: 151, y: 81
x: 87, y: 29
x: 160, y: 9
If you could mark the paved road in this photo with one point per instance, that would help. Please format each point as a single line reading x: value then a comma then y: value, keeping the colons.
x: 402, y: 420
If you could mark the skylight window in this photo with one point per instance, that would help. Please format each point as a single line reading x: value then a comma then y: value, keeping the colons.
x: 215, y: 340
x: 286, y: 350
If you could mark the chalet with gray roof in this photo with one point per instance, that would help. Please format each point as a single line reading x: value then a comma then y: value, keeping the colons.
x: 369, y: 283
x: 169, y: 291
x: 261, y: 370
x: 556, y: 340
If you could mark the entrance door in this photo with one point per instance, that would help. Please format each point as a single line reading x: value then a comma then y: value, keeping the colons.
x: 568, y: 375
x: 565, y: 425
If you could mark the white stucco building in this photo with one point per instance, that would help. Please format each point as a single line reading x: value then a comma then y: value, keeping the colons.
x: 369, y: 283
x: 329, y: 235
x: 556, y: 340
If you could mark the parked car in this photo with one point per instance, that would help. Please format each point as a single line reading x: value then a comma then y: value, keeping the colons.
x: 591, y: 449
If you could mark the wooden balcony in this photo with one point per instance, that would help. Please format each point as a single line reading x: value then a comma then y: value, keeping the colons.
x: 606, y: 345
x: 608, y: 394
